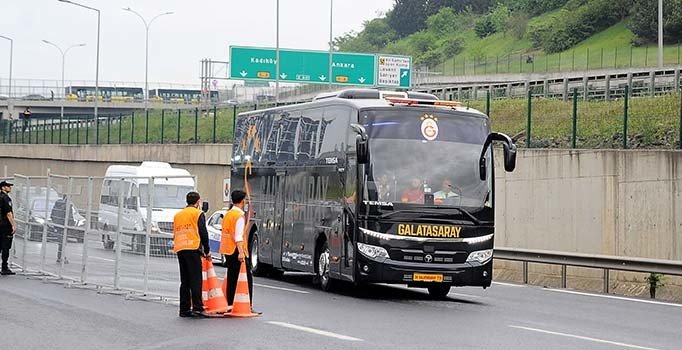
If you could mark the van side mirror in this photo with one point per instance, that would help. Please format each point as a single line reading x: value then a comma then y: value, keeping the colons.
x: 509, y: 153
x: 131, y: 203
x: 361, y: 143
x: 204, y: 207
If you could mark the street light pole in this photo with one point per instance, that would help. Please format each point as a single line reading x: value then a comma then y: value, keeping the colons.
x: 146, y: 50
x: 97, y: 59
x: 63, y: 52
x: 331, y: 45
x: 277, y: 60
x: 660, y: 33
x: 11, y: 54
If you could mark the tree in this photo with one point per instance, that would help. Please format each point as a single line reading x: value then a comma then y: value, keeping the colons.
x: 499, y: 17
x: 644, y: 21
x: 378, y: 33
x: 407, y: 17
x: 444, y: 22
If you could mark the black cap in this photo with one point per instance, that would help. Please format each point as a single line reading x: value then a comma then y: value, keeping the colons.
x: 5, y: 183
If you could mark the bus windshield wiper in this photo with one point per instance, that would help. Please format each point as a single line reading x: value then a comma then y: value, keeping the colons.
x: 432, y: 213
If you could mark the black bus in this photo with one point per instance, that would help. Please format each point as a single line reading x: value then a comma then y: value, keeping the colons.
x: 106, y: 93
x: 366, y: 188
x: 180, y: 96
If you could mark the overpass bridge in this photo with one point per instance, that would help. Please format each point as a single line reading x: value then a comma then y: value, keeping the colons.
x: 48, y: 108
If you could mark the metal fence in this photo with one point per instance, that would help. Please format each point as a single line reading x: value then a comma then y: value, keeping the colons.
x: 594, y: 261
x: 165, y: 126
x: 570, y: 61
x: 100, y: 231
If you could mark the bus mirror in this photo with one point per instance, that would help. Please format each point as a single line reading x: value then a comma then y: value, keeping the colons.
x: 361, y: 144
x: 509, y: 153
x: 362, y: 149
x: 509, y: 158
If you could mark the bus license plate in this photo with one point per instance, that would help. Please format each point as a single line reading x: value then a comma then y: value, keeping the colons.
x: 427, y: 277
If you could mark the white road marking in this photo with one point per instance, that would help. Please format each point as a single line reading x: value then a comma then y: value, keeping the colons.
x: 583, y: 338
x: 282, y: 288
x: 509, y: 284
x: 314, y: 331
x: 465, y: 295
x: 613, y: 297
x: 103, y: 259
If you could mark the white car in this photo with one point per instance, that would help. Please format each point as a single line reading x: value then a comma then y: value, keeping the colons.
x: 214, y: 224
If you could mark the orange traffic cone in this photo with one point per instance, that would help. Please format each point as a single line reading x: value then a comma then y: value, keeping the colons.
x: 225, y: 284
x: 211, y: 294
x: 242, y: 303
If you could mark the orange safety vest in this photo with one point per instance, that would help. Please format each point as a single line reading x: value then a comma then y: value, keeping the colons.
x: 227, y: 242
x: 186, y: 229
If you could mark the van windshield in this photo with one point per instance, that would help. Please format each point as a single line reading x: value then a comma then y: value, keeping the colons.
x: 165, y: 196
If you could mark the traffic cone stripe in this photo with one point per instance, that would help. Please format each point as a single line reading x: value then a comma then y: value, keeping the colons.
x: 243, y: 276
x: 242, y: 298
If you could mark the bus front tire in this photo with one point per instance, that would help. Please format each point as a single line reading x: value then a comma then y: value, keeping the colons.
x: 322, y: 268
x: 439, y: 291
x: 258, y: 269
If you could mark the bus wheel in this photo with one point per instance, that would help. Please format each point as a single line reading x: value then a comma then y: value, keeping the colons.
x: 257, y: 268
x: 439, y: 291
x: 323, y: 259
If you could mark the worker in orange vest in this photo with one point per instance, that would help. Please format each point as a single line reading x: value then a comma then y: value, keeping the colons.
x: 190, y: 242
x: 233, y: 244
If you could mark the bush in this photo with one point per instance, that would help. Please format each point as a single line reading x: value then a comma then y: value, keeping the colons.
x: 484, y: 27
x: 574, y: 26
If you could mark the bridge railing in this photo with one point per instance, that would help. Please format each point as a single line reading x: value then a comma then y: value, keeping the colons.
x: 606, y: 263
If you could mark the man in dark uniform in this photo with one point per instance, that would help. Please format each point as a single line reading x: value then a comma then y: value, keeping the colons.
x: 7, y: 225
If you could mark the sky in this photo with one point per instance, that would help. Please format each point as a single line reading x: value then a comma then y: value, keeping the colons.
x: 198, y: 29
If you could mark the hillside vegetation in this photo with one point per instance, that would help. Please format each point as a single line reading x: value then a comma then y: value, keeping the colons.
x: 436, y: 32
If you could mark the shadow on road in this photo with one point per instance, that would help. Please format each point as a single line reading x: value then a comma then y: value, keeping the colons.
x: 370, y: 291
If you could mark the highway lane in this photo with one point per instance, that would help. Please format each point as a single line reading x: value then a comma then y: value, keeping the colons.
x: 297, y: 315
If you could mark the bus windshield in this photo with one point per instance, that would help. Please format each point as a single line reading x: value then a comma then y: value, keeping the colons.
x: 425, y: 156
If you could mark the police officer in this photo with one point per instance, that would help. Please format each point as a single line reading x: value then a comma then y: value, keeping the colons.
x: 7, y: 225
x: 233, y: 244
x: 190, y: 242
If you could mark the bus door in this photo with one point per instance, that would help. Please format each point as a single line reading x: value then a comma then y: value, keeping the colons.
x: 278, y: 219
x: 347, y: 218
x: 289, y: 226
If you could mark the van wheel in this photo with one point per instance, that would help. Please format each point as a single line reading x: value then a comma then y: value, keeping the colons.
x: 257, y: 268
x: 439, y: 291
x: 322, y: 269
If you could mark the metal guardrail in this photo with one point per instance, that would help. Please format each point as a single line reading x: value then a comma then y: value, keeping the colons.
x: 595, y: 261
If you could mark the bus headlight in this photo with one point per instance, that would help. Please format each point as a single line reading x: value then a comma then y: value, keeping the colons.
x: 372, y: 252
x: 480, y: 256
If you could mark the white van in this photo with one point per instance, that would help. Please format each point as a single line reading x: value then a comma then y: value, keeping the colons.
x: 169, y: 196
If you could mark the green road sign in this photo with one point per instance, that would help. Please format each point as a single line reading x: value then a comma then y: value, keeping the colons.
x: 299, y: 66
x: 249, y: 63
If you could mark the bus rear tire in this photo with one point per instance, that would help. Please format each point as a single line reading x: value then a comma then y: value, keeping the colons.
x: 439, y: 291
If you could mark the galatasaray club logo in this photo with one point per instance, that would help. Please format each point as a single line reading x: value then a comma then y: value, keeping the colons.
x: 429, y: 127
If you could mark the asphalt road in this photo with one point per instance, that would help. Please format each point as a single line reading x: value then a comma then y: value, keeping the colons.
x: 39, y: 315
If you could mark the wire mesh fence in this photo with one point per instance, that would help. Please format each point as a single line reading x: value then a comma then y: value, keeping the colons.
x: 113, y: 233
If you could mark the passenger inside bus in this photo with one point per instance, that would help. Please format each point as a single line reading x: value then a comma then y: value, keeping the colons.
x: 384, y: 189
x: 414, y: 194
